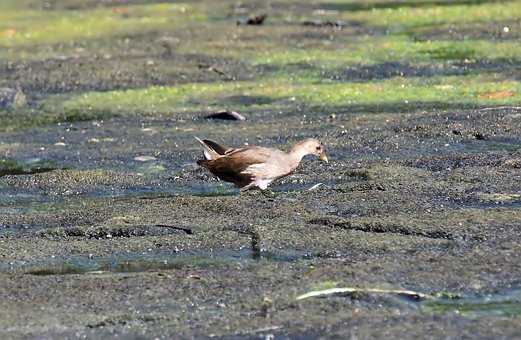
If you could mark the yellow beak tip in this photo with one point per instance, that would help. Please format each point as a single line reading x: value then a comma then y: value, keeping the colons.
x: 323, y: 158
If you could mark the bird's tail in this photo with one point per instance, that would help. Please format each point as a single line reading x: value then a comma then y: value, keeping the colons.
x: 209, y: 152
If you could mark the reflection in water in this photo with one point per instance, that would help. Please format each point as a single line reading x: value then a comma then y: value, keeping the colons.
x: 149, y: 261
x: 498, y: 304
x: 506, y: 304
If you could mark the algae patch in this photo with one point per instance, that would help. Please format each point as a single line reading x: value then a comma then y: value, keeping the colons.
x: 500, y: 197
x: 283, y: 93
x: 497, y: 304
x: 31, y: 166
x: 66, y: 26
x: 147, y: 261
x: 500, y: 304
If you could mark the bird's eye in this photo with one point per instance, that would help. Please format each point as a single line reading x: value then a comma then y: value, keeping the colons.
x: 319, y: 147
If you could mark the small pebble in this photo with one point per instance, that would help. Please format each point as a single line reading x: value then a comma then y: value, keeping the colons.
x: 144, y: 158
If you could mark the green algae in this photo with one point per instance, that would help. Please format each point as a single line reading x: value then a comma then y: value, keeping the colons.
x: 499, y: 304
x: 126, y: 264
x: 411, y: 214
x: 286, y: 83
x: 471, y: 90
x: 31, y: 166
x: 145, y: 261
x: 411, y: 17
x: 19, y: 28
x: 371, y: 50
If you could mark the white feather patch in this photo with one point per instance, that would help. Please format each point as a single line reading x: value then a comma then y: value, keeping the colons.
x: 263, y: 183
x: 254, y: 170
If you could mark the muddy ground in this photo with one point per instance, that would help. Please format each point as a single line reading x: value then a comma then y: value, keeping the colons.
x: 108, y: 227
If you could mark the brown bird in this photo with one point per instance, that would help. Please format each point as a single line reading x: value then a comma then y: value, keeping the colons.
x: 256, y: 166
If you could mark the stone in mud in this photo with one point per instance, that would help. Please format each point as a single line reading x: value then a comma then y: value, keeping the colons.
x: 253, y: 20
x: 12, y: 98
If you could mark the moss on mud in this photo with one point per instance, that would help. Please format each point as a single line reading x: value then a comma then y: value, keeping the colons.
x: 416, y: 103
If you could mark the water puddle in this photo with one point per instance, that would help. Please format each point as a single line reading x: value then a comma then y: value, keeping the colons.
x: 147, y: 261
x: 14, y: 201
x: 496, y: 205
x: 29, y: 166
x: 505, y: 304
x: 493, y: 144
x: 205, y: 190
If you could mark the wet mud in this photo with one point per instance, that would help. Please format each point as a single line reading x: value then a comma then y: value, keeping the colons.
x: 108, y: 227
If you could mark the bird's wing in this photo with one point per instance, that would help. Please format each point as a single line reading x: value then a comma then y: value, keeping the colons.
x: 236, y: 162
x: 275, y: 165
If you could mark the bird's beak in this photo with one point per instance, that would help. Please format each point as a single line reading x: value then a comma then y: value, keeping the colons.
x: 323, y: 157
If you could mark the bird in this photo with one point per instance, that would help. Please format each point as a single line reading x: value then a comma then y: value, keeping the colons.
x: 256, y: 166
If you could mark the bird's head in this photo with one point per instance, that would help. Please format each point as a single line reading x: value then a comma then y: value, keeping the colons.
x: 311, y: 146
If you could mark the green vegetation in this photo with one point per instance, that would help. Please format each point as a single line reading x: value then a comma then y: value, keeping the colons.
x: 370, y: 51
x: 474, y: 307
x: 416, y: 102
x: 348, y: 68
x: 160, y: 100
x: 22, y: 28
x: 408, y: 18
x: 11, y: 167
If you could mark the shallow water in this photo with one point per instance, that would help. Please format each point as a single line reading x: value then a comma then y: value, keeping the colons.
x: 503, y: 303
x: 148, y: 261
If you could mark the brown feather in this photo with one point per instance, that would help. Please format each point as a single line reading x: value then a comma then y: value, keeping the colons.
x: 220, y: 149
x: 229, y: 167
x: 255, y: 166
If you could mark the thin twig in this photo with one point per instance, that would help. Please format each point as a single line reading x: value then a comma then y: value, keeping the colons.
x: 350, y: 290
x: 500, y: 108
x: 315, y: 186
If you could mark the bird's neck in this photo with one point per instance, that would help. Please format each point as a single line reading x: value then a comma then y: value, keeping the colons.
x: 296, y: 154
